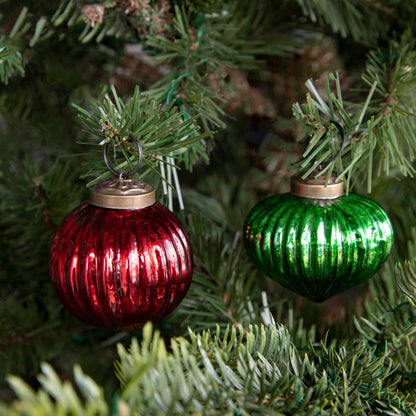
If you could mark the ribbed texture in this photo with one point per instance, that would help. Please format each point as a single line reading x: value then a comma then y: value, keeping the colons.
x: 318, y: 248
x: 121, y: 268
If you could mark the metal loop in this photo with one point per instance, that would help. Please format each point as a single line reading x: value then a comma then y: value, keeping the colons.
x: 344, y: 140
x: 124, y: 174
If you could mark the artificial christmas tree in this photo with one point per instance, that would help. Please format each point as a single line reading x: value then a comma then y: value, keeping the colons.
x: 208, y: 89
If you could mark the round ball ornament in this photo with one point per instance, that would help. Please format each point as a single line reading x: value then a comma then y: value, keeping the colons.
x: 316, y: 241
x: 121, y: 259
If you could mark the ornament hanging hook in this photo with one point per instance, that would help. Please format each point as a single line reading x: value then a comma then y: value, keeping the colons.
x: 344, y: 139
x: 124, y: 175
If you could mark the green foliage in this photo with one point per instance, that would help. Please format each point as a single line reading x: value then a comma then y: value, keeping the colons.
x: 10, y: 57
x: 399, y: 200
x: 58, y: 397
x: 223, y: 203
x: 235, y: 359
x: 10, y: 62
x: 244, y: 370
x: 388, y: 323
x: 207, y: 374
x: 393, y: 109
x: 201, y: 6
x: 380, y: 137
x: 27, y: 333
x: 224, y: 288
x: 379, y: 132
x: 348, y: 18
x: 105, y: 19
x: 13, y: 45
x: 160, y: 131
x: 195, y: 50
x: 200, y: 48
x: 34, y: 201
x: 326, y: 153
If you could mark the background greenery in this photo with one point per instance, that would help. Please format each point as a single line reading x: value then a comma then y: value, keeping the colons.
x: 239, y: 95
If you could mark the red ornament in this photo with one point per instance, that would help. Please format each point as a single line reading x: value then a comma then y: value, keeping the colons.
x: 119, y: 268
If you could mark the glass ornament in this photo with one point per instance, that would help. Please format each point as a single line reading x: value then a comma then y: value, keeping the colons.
x: 316, y: 242
x: 121, y: 259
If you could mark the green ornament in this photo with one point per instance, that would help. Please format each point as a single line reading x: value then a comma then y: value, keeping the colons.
x: 316, y: 241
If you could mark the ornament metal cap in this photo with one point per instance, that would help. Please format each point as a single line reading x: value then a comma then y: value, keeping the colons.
x: 121, y: 193
x: 316, y: 189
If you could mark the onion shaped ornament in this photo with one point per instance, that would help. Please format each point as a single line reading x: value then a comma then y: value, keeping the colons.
x: 316, y: 241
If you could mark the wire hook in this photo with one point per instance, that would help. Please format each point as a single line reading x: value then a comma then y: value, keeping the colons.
x: 124, y: 175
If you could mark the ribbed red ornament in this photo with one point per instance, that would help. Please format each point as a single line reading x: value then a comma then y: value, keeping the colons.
x: 119, y: 268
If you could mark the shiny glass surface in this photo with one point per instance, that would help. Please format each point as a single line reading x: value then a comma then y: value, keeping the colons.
x: 121, y: 268
x: 318, y: 248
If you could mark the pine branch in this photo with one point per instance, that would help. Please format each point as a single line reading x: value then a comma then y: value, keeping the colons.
x: 25, y: 336
x: 322, y: 154
x: 223, y: 198
x: 13, y: 46
x: 399, y: 200
x: 249, y: 370
x: 10, y: 63
x: 160, y: 131
x: 27, y: 195
x: 11, y: 60
x: 379, y: 132
x: 58, y: 397
x: 253, y: 370
x: 115, y: 19
x: 389, y: 320
x: 223, y: 289
x: 221, y: 39
x: 197, y: 50
x: 393, y: 109
x: 348, y: 18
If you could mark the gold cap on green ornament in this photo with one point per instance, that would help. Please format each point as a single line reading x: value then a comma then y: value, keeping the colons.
x: 315, y: 188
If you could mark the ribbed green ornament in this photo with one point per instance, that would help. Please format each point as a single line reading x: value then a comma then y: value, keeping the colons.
x: 318, y: 247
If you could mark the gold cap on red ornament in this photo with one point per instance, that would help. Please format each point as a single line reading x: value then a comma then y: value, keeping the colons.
x: 122, y: 193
